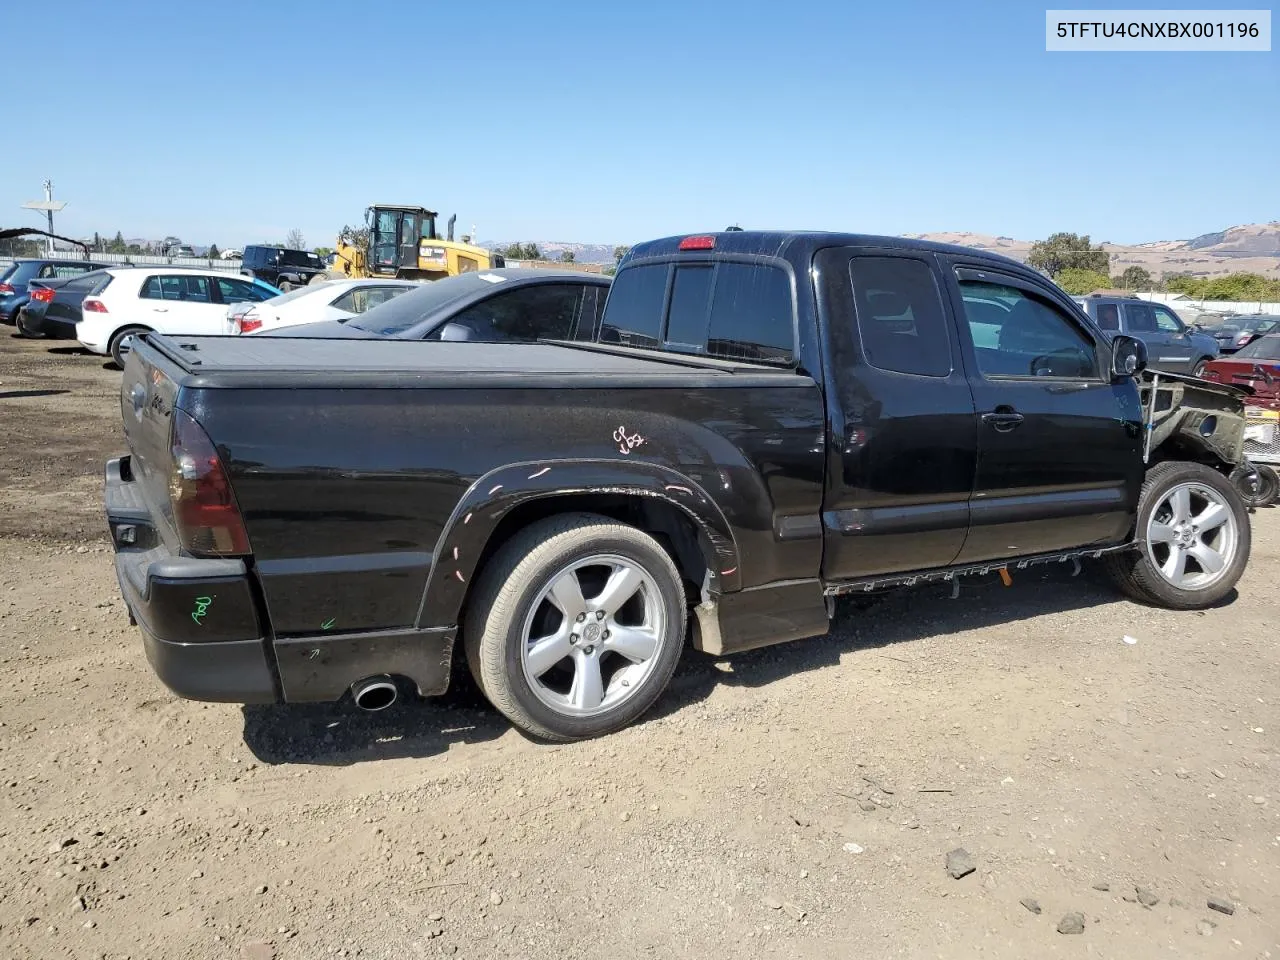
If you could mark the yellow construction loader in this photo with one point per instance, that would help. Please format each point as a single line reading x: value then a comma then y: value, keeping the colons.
x: 403, y: 242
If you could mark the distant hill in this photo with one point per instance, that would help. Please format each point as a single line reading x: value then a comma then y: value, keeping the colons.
x: 551, y: 249
x: 1249, y: 248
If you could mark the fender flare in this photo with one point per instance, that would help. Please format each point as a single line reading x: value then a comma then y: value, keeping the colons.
x: 489, y: 499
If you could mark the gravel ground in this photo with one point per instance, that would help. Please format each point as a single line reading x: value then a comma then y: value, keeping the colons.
x: 802, y: 801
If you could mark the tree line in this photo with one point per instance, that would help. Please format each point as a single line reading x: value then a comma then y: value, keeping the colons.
x: 1079, y: 267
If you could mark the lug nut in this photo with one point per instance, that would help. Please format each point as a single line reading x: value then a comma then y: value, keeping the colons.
x: 599, y: 614
x: 573, y: 639
x: 604, y: 635
x: 581, y: 617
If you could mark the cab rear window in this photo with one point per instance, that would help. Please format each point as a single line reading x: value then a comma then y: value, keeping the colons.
x: 731, y: 310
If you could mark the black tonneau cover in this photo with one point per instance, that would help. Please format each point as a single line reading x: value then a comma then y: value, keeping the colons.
x: 297, y: 362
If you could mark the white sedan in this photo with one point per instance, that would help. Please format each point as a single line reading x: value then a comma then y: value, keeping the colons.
x: 334, y: 300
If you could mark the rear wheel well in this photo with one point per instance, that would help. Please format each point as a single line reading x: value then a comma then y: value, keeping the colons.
x: 667, y: 523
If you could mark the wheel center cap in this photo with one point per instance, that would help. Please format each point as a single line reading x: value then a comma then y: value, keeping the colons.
x: 591, y: 633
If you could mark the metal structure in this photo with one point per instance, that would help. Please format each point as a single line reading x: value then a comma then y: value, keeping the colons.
x: 49, y: 206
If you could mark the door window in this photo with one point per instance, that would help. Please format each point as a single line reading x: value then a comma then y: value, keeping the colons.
x: 1108, y: 316
x: 1142, y: 319
x: 589, y: 316
x: 1017, y: 334
x: 185, y: 288
x: 1166, y: 320
x: 231, y: 290
x: 544, y: 311
x: 900, y: 318
x: 362, y: 298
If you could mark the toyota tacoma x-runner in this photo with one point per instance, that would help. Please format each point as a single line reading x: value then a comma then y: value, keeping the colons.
x: 765, y: 422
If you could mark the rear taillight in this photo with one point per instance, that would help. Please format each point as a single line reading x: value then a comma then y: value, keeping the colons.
x: 43, y: 294
x: 6, y: 288
x: 248, y: 324
x: 93, y: 305
x: 204, y: 508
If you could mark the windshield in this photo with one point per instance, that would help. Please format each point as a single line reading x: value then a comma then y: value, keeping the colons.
x: 398, y: 315
x: 1267, y: 348
x: 299, y: 258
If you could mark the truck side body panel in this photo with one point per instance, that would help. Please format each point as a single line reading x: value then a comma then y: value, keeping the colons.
x: 347, y: 495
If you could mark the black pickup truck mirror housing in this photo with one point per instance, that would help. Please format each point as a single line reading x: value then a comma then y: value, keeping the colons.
x: 1128, y: 357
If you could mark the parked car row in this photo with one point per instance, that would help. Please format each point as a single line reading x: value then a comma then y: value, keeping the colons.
x: 16, y: 278
x: 107, y: 308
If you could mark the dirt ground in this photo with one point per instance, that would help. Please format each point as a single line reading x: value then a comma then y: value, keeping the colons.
x: 798, y: 802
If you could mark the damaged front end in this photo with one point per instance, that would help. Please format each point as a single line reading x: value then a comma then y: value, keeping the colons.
x: 1186, y: 418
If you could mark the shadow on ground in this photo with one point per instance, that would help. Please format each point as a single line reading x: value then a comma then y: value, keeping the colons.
x: 14, y: 394
x: 338, y: 734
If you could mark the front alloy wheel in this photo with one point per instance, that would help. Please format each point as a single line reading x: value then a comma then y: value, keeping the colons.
x: 1191, y: 536
x: 1193, y: 539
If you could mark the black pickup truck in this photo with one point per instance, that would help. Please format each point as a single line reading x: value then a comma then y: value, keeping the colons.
x: 767, y: 421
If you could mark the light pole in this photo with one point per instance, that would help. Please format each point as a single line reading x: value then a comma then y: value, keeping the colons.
x: 50, y: 207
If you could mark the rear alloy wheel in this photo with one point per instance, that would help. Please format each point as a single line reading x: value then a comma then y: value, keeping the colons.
x: 122, y: 343
x: 1194, y: 537
x: 576, y: 627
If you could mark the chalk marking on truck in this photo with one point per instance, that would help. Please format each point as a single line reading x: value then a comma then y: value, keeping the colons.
x: 458, y: 574
x: 676, y: 486
x: 202, y: 608
x: 494, y: 490
x: 455, y: 553
x: 534, y: 476
x: 627, y: 442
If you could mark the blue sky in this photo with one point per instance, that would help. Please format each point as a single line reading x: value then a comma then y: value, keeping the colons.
x: 616, y: 122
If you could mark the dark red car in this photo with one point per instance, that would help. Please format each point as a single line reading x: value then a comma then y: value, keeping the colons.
x: 1256, y: 365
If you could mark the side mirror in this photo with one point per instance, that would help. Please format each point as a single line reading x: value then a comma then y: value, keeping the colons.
x: 1128, y: 357
x: 456, y: 331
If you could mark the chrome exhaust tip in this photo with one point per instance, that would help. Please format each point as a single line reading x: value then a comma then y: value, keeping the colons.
x: 374, y: 693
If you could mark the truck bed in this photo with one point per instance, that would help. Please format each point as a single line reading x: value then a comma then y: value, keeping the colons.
x: 296, y: 362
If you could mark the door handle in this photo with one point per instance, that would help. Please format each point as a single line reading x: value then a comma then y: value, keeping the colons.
x: 159, y: 309
x: 1003, y: 418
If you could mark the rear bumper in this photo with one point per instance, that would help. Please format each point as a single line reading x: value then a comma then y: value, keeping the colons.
x: 199, y: 622
x: 39, y: 324
x: 206, y: 639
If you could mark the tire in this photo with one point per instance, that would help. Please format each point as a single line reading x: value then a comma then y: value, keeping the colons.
x: 284, y: 286
x: 1161, y: 534
x: 556, y: 698
x: 119, y: 348
x: 319, y: 278
x: 1198, y: 369
x: 21, y: 327
x: 1268, y: 488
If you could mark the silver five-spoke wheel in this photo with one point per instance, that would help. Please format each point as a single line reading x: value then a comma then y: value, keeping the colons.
x: 1192, y: 536
x: 592, y: 635
x: 576, y: 625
